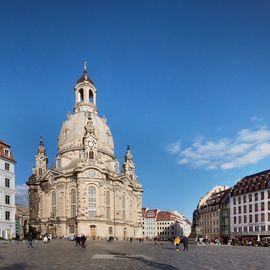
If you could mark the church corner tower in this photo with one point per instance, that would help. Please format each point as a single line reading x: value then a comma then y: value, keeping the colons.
x: 85, y: 192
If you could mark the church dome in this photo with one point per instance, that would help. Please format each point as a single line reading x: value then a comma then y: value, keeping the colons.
x: 73, y: 131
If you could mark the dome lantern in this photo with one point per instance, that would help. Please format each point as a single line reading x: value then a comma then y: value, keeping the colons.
x: 85, y: 93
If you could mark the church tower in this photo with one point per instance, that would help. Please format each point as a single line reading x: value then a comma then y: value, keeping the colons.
x: 41, y: 159
x: 129, y: 166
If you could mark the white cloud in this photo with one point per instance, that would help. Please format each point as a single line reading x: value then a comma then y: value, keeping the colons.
x: 247, y: 135
x: 248, y: 147
x: 174, y: 148
x: 22, y: 194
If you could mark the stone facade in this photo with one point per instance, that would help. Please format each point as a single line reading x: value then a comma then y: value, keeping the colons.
x: 21, y: 217
x: 85, y: 192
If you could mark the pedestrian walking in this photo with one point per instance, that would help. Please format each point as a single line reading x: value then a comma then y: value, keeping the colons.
x: 30, y: 240
x: 185, y: 242
x: 177, y: 242
x: 83, y: 240
x: 78, y: 240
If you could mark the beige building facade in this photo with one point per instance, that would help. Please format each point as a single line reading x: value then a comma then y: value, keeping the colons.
x: 85, y: 192
x: 212, y: 214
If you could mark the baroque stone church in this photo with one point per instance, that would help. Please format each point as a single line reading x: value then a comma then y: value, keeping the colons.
x: 85, y: 192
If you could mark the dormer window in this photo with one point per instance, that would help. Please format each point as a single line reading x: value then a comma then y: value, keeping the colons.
x: 7, y: 153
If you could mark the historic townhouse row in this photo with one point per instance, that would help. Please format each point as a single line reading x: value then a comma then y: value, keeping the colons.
x: 241, y: 211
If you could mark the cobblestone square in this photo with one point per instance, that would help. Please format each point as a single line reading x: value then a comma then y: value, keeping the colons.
x: 62, y: 254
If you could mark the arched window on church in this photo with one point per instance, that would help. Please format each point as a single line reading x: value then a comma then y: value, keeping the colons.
x: 124, y: 216
x: 91, y: 155
x: 92, y: 202
x: 91, y: 97
x: 53, y: 204
x: 73, y: 203
x: 108, y: 205
x: 39, y: 171
x: 81, y: 95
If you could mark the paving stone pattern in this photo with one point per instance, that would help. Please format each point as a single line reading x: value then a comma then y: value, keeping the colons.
x: 62, y: 254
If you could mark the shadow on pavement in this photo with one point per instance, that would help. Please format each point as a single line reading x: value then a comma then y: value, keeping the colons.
x: 15, y: 266
x: 145, y: 261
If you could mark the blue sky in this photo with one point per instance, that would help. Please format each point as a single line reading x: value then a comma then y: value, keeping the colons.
x: 185, y: 83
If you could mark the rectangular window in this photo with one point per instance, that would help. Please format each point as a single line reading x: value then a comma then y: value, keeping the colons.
x: 250, y: 197
x: 234, y: 200
x: 7, y: 166
x: 256, y: 207
x: 262, y: 206
x: 239, y: 219
x: 7, y: 215
x: 262, y: 195
x: 262, y: 217
x: 239, y: 200
x: 256, y: 228
x: 244, y: 199
x: 269, y: 217
x: 250, y: 218
x: 250, y: 208
x: 234, y: 220
x: 268, y: 194
x: 269, y: 205
x: 256, y: 196
x: 245, y: 208
x: 6, y: 153
x: 239, y: 210
x: 263, y: 228
x: 256, y: 217
x: 7, y: 199
x: 245, y: 219
x: 245, y: 229
x: 7, y: 182
x: 234, y: 210
x: 251, y: 228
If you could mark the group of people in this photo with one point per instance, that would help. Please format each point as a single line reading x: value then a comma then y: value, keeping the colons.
x: 47, y: 238
x: 80, y: 240
x: 249, y: 242
x: 208, y: 241
x: 183, y: 240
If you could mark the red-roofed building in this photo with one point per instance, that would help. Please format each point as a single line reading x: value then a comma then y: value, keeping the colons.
x: 7, y: 192
x: 171, y: 224
x: 164, y: 225
x: 250, y: 206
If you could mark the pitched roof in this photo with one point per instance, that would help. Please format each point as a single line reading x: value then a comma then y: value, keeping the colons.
x: 4, y: 146
x: 251, y: 183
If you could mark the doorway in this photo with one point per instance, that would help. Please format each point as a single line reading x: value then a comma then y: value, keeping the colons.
x: 93, y: 231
